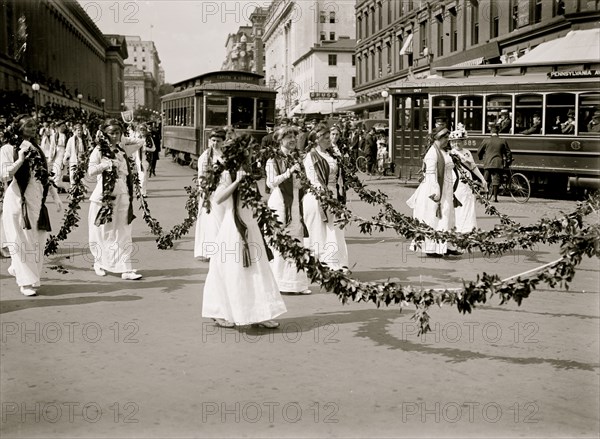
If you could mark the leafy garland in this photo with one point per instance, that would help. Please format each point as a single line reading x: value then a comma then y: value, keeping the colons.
x: 109, y: 181
x: 582, y: 242
x: 77, y: 193
x: 153, y: 223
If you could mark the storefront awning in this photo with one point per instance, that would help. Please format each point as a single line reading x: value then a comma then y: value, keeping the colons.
x: 321, y: 106
x: 407, y: 47
x: 375, y: 104
x: 577, y: 45
x: 471, y: 62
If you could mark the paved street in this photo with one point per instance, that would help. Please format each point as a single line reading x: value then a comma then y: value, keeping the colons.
x: 103, y: 357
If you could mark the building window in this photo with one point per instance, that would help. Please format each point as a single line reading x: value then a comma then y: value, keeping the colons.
x: 494, y: 19
x: 558, y: 8
x: 423, y: 35
x: 389, y: 12
x: 388, y: 47
x: 373, y: 27
x: 333, y: 82
x: 537, y: 11
x: 353, y: 60
x: 332, y: 17
x: 143, y: 49
x: 453, y: 34
x: 333, y: 60
x: 514, y: 18
x: 134, y: 59
x: 359, y: 28
x: 380, y: 15
x: 440, y: 32
x: 373, y: 69
x: 353, y: 82
x: 322, y: 37
x: 474, y: 25
x: 323, y: 17
x: 379, y: 63
x: 366, y: 62
x: 332, y: 36
x: 143, y: 59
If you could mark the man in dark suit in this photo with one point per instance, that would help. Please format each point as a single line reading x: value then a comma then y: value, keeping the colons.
x: 536, y: 128
x: 370, y: 150
x: 496, y: 155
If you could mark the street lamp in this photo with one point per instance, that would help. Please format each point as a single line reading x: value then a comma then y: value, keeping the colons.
x: 331, y: 99
x: 384, y: 95
x: 36, y: 88
x: 80, y: 97
x: 103, y: 102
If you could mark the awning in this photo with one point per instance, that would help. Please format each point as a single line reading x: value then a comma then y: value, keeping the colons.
x: 577, y: 45
x: 375, y: 104
x: 321, y: 106
x: 471, y: 62
x: 407, y: 47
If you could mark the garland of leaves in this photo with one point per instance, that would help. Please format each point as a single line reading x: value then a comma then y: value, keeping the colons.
x: 153, y: 223
x: 109, y: 180
x: 583, y: 242
x: 77, y: 193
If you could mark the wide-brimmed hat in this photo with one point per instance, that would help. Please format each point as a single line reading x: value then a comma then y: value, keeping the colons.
x: 440, y: 133
x: 459, y: 133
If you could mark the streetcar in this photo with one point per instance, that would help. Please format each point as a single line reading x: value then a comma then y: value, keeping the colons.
x: 549, y: 115
x: 235, y: 99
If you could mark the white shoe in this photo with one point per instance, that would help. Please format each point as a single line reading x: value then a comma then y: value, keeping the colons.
x: 28, y: 291
x: 99, y: 270
x: 305, y: 292
x: 131, y: 275
x: 11, y: 271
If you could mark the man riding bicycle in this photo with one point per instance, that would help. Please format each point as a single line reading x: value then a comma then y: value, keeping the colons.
x: 496, y: 156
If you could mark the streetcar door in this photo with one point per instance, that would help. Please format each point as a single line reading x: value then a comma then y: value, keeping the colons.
x: 411, y: 128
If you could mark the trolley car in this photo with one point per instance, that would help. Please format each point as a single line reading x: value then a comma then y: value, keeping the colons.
x: 216, y: 99
x: 533, y: 104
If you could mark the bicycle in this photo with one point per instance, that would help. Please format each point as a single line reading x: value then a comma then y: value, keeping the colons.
x: 516, y: 184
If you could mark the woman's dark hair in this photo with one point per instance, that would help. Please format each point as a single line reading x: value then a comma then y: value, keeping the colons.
x: 321, y: 129
x: 19, y: 122
x: 111, y: 122
x: 285, y: 131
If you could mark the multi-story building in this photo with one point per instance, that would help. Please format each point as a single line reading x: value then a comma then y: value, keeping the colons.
x: 309, y: 59
x: 408, y: 39
x: 239, y: 49
x: 142, y: 74
x: 57, y: 45
x: 257, y: 18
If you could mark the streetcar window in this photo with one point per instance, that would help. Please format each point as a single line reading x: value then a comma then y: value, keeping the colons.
x: 528, y: 110
x: 589, y: 114
x: 242, y: 113
x: 497, y: 106
x: 470, y: 112
x: 443, y: 111
x: 265, y: 112
x: 560, y: 113
x: 216, y: 111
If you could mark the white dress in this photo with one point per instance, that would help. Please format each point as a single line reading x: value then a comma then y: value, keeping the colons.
x: 111, y: 244
x: 25, y: 246
x: 207, y: 224
x: 285, y: 271
x: 241, y: 295
x: 466, y: 217
x: 424, y: 208
x: 143, y: 165
x: 325, y: 239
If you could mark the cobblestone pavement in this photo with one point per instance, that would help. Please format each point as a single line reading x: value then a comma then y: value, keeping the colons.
x: 102, y: 357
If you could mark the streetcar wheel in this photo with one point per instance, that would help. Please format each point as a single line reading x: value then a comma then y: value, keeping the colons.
x: 361, y: 164
x: 519, y: 188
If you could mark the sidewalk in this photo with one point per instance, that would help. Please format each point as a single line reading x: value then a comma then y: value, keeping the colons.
x: 102, y: 357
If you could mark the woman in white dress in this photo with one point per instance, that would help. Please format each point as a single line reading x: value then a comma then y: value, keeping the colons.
x: 433, y: 201
x: 466, y: 217
x: 207, y: 224
x: 143, y: 156
x: 240, y: 288
x: 25, y: 218
x: 74, y: 151
x: 325, y: 239
x: 57, y: 164
x: 285, y: 201
x: 110, y: 239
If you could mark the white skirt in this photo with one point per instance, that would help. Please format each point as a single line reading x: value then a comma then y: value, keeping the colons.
x: 241, y: 295
x: 207, y: 229
x: 111, y: 244
x: 326, y: 240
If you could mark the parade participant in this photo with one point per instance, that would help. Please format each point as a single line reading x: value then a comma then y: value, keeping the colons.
x: 240, y: 288
x: 433, y: 201
x: 466, y: 218
x: 25, y: 217
x: 111, y: 209
x: 207, y: 224
x: 495, y: 154
x: 286, y: 201
x: 57, y: 165
x: 325, y: 238
x: 156, y: 137
x: 143, y: 156
x: 76, y: 147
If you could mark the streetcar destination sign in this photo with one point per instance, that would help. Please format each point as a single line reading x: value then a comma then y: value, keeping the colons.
x: 575, y: 74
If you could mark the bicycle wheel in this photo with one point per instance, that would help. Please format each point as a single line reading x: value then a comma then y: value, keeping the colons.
x: 519, y: 188
x: 361, y: 164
